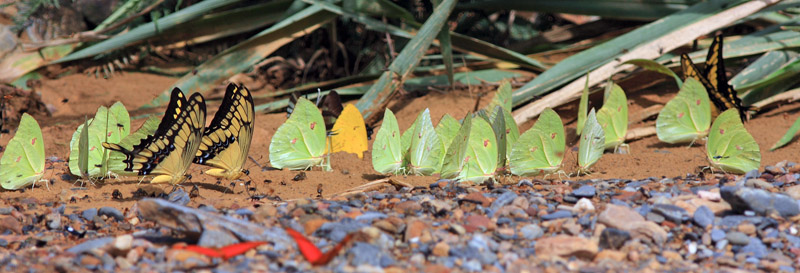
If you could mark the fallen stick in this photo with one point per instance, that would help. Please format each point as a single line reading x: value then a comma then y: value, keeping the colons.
x: 645, y: 113
x: 639, y: 133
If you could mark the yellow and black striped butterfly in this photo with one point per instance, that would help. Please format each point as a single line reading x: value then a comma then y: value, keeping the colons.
x: 714, y: 79
x: 169, y: 152
x: 227, y: 140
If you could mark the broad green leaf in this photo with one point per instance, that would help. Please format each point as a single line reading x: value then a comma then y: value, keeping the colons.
x: 730, y: 147
x: 540, y: 150
x: 592, y: 143
x: 613, y: 117
x: 685, y: 118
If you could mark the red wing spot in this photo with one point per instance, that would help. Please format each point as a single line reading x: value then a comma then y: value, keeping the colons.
x: 552, y: 135
x: 394, y: 133
x: 697, y: 102
x: 384, y: 147
x: 33, y: 141
x: 420, y: 135
x: 486, y: 143
x: 109, y: 133
x: 739, y: 148
x: 313, y: 124
x: 18, y: 159
x: 294, y: 140
x: 533, y: 150
x: 619, y: 109
x: 466, y: 159
x: 508, y: 131
x: 559, y: 154
x: 721, y: 131
x: 92, y: 149
x: 680, y: 115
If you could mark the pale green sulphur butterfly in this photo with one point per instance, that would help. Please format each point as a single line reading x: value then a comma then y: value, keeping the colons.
x: 447, y: 129
x: 613, y: 117
x: 23, y: 161
x: 501, y: 98
x: 685, y: 118
x: 299, y: 143
x: 540, y: 150
x: 480, y: 158
x: 592, y: 143
x: 387, y: 153
x: 108, y: 125
x: 453, y: 159
x: 426, y: 148
x: 583, y: 105
x: 148, y: 128
x: 498, y: 122
x: 730, y: 147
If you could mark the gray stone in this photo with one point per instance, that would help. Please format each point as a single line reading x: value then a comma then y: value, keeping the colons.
x: 612, y: 238
x: 557, y: 215
x: 531, y: 232
x: 759, y: 201
x: 703, y: 217
x: 585, y: 191
x: 672, y: 213
x: 111, y: 212
x: 89, y: 214
x: 755, y: 247
x: 737, y: 238
x: 717, y: 235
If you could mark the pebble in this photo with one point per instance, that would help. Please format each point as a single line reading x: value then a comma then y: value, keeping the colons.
x: 179, y: 197
x: 703, y: 217
x: 585, y: 191
x: 672, y: 213
x: 612, y: 238
x: 737, y: 238
x: 89, y: 214
x: 111, y: 212
x: 564, y: 246
x: 557, y: 215
x: 717, y: 235
x: 759, y: 201
x: 531, y: 232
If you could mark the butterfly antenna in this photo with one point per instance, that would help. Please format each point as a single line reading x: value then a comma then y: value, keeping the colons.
x: 319, y: 96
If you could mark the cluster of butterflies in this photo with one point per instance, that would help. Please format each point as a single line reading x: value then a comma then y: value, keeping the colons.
x: 472, y: 149
x: 165, y: 149
x: 703, y: 95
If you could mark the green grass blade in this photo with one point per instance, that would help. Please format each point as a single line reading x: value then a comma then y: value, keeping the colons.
x: 148, y: 30
x: 373, y: 101
x: 655, y: 67
x: 245, y: 54
x: 580, y: 63
x: 630, y: 9
x: 786, y: 138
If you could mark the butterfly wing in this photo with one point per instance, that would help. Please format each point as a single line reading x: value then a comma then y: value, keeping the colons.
x: 227, y: 139
x: 540, y: 150
x: 687, y: 117
x: 387, y: 155
x: 453, y: 161
x: 22, y: 163
x: 715, y: 80
x: 730, y: 147
x: 480, y: 161
x: 170, y: 150
x: 592, y: 142
x: 350, y: 132
x: 300, y: 142
x: 426, y: 148
x: 613, y: 117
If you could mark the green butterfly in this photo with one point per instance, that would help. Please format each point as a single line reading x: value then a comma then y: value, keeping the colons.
x: 447, y: 129
x: 475, y: 152
x: 686, y: 117
x: 300, y: 142
x: 387, y: 153
x: 453, y: 159
x: 592, y: 143
x: 730, y: 147
x: 503, y: 98
x: 22, y: 163
x: 540, y: 150
x: 498, y: 122
x: 613, y: 117
x: 108, y: 125
x: 583, y: 105
x: 425, y: 148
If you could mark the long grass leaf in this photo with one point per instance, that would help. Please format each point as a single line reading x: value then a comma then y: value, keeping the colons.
x: 148, y: 30
x: 245, y: 54
x: 629, y: 9
x: 578, y: 64
x: 786, y: 138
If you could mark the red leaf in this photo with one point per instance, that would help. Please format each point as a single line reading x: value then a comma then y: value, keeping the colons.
x: 312, y: 254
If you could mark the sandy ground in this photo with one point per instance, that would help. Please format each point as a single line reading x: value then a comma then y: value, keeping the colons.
x: 77, y: 96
